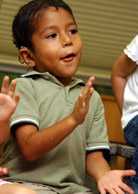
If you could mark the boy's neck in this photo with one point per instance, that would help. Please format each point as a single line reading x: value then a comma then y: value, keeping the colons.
x: 65, y: 81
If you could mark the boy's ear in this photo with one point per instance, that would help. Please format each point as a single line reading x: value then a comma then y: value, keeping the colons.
x: 26, y: 56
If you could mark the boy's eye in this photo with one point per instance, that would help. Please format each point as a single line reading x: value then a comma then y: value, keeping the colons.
x: 74, y: 31
x: 53, y: 35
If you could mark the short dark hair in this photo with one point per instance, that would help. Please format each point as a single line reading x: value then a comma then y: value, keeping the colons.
x: 24, y: 24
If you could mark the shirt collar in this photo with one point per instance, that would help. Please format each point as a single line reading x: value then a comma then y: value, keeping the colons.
x: 46, y: 75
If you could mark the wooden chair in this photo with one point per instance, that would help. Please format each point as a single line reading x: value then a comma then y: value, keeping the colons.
x: 120, y: 151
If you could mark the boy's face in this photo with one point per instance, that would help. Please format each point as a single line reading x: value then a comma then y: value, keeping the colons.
x: 57, y: 44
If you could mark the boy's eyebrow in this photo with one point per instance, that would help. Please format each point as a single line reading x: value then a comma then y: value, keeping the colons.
x: 51, y: 27
x: 47, y: 28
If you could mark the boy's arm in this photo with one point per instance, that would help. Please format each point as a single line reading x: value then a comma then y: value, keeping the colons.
x: 108, y: 181
x: 46, y: 139
x: 8, y: 103
x: 94, y: 163
x: 123, y: 67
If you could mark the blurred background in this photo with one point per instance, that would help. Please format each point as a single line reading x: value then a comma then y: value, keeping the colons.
x: 106, y: 27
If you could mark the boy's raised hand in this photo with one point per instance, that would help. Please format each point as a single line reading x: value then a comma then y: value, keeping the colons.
x: 8, y: 101
x: 82, y: 105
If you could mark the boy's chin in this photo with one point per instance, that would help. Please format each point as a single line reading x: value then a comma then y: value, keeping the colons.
x: 67, y: 75
x: 70, y: 74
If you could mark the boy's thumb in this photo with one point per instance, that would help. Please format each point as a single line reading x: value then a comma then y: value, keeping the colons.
x: 129, y: 172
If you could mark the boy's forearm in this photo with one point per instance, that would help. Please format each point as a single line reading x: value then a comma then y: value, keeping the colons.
x: 96, y: 165
x: 44, y: 140
x: 4, y: 132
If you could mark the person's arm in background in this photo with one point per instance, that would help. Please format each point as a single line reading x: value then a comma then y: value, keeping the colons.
x: 123, y: 67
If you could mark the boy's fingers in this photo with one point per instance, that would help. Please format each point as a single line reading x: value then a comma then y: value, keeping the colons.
x: 84, y: 99
x: 89, y: 94
x: 12, y: 88
x: 85, y: 95
x: 126, y: 188
x: 129, y: 172
x: 90, y: 81
x: 119, y: 190
x: 17, y: 98
x: 5, y: 85
x: 89, y: 85
x: 87, y: 91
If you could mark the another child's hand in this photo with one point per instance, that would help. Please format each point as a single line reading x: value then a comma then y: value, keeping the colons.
x: 82, y: 104
x: 8, y: 101
x: 112, y: 182
x: 3, y: 171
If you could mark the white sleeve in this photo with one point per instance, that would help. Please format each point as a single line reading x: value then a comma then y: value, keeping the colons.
x: 132, y: 50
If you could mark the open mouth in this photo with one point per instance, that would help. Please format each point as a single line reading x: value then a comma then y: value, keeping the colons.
x: 68, y: 57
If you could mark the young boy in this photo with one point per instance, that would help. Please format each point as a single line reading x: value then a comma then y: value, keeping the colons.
x: 125, y: 85
x: 8, y: 103
x: 59, y: 123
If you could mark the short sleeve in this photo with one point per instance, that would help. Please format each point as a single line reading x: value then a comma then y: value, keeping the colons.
x: 132, y: 50
x: 27, y: 109
x: 97, y: 135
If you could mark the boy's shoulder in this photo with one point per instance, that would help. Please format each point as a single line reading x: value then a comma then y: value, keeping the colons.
x: 22, y: 81
x: 28, y: 77
x: 96, y: 96
x: 96, y: 101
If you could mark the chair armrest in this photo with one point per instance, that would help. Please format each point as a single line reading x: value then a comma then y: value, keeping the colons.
x: 123, y: 150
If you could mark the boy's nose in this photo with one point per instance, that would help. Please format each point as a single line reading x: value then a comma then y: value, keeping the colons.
x: 66, y: 40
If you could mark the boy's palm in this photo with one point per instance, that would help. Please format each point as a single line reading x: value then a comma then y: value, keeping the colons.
x: 8, y: 101
x: 7, y: 106
x: 82, y: 105
x: 112, y: 182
